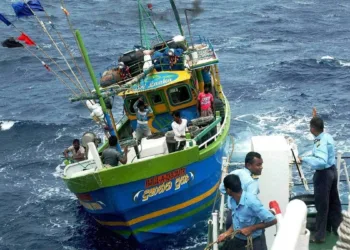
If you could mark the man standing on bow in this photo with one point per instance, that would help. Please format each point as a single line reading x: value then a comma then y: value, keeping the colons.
x: 205, y: 102
x: 142, y: 111
x: 325, y: 180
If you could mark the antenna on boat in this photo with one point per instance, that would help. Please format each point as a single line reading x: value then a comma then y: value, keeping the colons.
x: 177, y: 17
x: 188, y: 26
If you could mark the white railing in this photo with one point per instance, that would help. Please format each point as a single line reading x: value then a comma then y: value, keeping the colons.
x: 215, y: 229
x: 341, y: 162
x: 293, y: 235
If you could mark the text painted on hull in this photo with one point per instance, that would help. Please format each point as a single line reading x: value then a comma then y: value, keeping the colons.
x: 167, y: 182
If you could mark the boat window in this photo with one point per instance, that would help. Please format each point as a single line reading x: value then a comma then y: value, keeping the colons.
x: 129, y: 102
x: 156, y: 98
x: 179, y: 95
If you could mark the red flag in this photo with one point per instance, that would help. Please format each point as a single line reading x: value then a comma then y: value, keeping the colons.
x: 23, y: 37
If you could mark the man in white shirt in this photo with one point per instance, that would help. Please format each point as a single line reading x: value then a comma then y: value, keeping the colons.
x: 179, y: 126
x: 77, y: 151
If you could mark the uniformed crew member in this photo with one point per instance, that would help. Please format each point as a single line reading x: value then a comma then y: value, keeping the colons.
x: 325, y: 180
x: 248, y: 176
x: 250, y: 217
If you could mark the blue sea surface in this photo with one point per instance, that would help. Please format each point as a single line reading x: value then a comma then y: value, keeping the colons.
x: 278, y: 59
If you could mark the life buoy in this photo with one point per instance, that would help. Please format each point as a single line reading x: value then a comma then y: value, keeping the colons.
x: 275, y: 207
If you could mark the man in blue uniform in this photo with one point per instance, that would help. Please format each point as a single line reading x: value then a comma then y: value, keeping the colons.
x: 142, y: 111
x: 250, y: 217
x: 325, y: 181
x: 248, y: 176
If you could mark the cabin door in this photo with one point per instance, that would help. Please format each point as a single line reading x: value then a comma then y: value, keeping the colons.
x: 158, y: 102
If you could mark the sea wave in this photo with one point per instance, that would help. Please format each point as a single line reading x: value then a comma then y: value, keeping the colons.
x: 6, y: 125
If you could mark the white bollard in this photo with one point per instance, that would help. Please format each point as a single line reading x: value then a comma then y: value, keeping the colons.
x: 215, y: 229
x: 304, y: 239
x: 292, y: 227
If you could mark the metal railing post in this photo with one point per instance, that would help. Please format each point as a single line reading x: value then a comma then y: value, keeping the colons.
x: 222, y: 201
x: 215, y: 230
x: 338, y: 166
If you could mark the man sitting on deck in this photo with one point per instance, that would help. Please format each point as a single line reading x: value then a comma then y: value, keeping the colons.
x: 77, y: 151
x: 250, y: 217
x: 142, y: 129
x: 179, y: 126
x: 205, y: 102
x: 110, y: 156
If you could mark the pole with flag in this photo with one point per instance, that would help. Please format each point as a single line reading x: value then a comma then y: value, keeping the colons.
x: 27, y: 40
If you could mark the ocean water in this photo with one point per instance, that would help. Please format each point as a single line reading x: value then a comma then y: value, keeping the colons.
x: 278, y: 59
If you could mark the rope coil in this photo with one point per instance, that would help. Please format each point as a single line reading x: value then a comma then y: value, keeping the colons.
x: 249, y: 245
x: 343, y: 242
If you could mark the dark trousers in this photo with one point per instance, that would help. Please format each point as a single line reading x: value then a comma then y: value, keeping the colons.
x: 259, y: 243
x: 327, y: 201
x: 180, y: 145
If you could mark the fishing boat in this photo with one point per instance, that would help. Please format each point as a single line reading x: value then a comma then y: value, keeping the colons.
x: 160, y: 190
x: 295, y: 212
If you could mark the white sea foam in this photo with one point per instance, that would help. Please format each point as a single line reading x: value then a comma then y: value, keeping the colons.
x: 344, y: 63
x: 6, y: 125
x: 59, y: 170
x: 327, y: 58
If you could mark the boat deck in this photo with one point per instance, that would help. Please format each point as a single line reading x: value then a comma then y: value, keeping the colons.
x: 149, y: 148
x: 331, y: 239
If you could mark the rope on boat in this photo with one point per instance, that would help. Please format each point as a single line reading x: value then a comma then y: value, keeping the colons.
x: 57, y: 48
x: 69, y: 51
x: 343, y: 242
x: 52, y: 60
x: 66, y: 13
x: 249, y: 245
x: 54, y: 72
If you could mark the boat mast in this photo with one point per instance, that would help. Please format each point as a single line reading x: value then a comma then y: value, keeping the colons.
x: 144, y: 17
x: 94, y: 81
x: 177, y: 17
x: 143, y: 31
